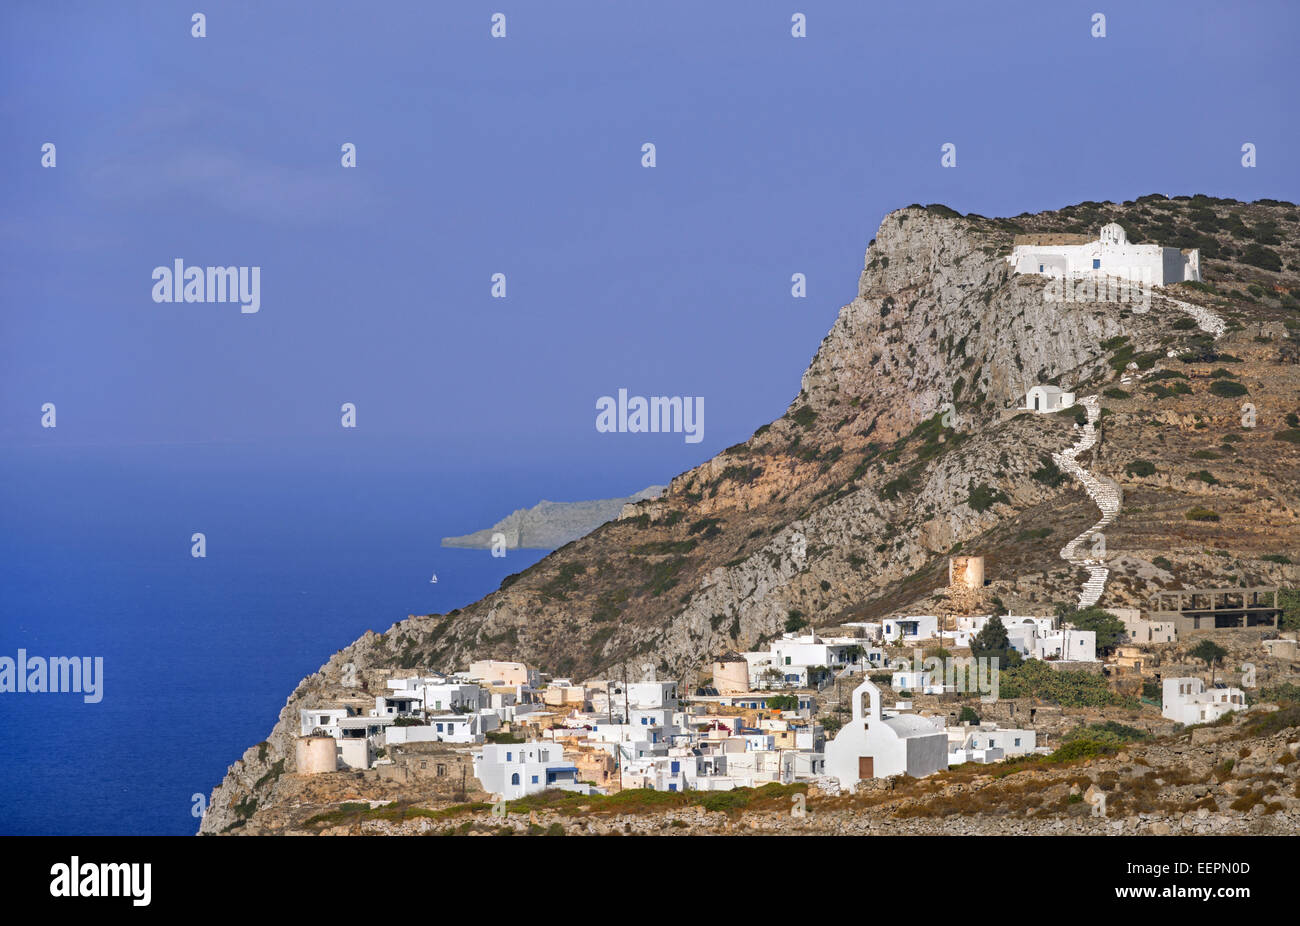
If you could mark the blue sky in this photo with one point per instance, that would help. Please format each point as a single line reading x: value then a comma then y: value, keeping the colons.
x: 522, y: 155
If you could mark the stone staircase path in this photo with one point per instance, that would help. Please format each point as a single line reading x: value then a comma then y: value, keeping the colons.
x: 1104, y: 492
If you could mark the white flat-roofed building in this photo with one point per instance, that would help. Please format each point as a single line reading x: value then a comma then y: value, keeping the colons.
x: 324, y: 719
x: 444, y: 728
x: 652, y: 695
x: 1188, y: 701
x: 516, y: 769
x: 397, y: 705
x: 910, y: 629
x: 988, y: 743
x: 1067, y: 645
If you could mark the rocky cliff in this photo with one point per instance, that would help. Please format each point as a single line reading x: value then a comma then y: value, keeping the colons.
x: 903, y: 446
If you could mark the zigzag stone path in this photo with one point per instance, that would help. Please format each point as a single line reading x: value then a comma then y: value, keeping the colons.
x: 1104, y: 492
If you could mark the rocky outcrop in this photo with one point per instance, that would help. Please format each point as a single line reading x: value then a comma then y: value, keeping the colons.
x: 549, y: 525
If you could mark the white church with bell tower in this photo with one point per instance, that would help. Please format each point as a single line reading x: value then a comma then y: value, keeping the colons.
x: 1110, y: 254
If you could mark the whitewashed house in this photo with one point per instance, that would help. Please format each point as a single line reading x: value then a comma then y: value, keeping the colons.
x: 450, y: 696
x: 1070, y: 256
x: 803, y: 763
x: 973, y: 752
x: 1021, y: 630
x: 326, y: 720
x: 661, y: 717
x: 652, y: 695
x: 444, y: 728
x: 398, y: 704
x: 988, y: 743
x: 637, y: 740
x: 515, y: 769
x: 910, y: 629
x: 1142, y: 631
x: 1034, y: 637
x: 508, y: 706
x: 1188, y: 701
x: 811, y: 650
x: 876, y: 745
x: 1067, y: 645
x: 359, y: 738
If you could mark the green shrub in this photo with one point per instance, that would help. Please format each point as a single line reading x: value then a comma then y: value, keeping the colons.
x: 895, y: 487
x: 1257, y: 255
x: 804, y: 416
x: 1202, y: 514
x: 1108, y: 628
x: 1285, y: 693
x: 1097, y: 739
x: 1034, y: 678
x: 1036, y: 533
x: 704, y: 524
x: 983, y: 497
x: 1049, y: 474
x: 1164, y: 392
x: 1226, y: 388
x: 1080, y: 749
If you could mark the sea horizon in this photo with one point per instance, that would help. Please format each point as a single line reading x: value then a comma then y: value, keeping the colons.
x: 201, y: 653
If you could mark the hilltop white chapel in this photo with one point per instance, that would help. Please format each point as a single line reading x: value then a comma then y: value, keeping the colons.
x: 1107, y: 255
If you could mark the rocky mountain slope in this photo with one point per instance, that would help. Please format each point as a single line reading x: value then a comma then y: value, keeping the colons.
x: 903, y: 446
x: 548, y: 525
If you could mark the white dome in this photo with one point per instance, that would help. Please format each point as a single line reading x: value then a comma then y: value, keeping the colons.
x: 1113, y: 234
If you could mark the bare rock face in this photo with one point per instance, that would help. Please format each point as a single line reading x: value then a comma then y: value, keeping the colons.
x: 904, y: 446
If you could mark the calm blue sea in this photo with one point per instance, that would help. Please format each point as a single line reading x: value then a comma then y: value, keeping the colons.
x: 304, y: 554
